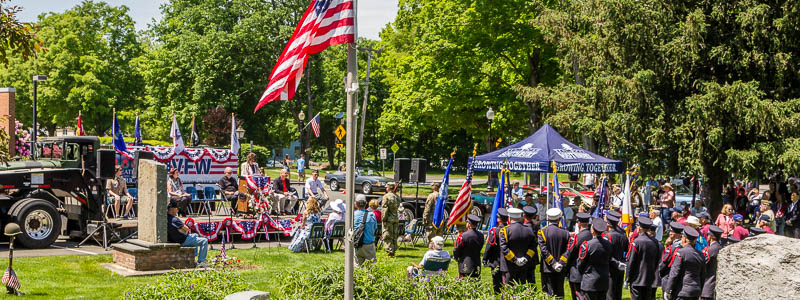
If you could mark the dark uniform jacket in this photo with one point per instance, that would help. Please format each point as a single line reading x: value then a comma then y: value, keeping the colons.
x: 619, y: 244
x: 553, y: 246
x: 643, y: 257
x: 594, y: 261
x: 535, y: 229
x: 572, y: 253
x: 710, y: 284
x: 491, y: 255
x: 516, y: 240
x: 793, y: 214
x: 686, y: 273
x: 467, y: 251
x: 663, y: 265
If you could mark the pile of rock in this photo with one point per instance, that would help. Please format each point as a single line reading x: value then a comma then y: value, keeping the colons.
x: 761, y: 267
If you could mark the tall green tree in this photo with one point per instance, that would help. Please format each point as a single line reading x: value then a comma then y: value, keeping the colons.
x: 18, y: 37
x: 448, y: 61
x: 88, y: 67
x: 700, y: 87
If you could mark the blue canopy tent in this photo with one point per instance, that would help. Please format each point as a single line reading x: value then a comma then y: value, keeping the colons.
x: 535, y: 154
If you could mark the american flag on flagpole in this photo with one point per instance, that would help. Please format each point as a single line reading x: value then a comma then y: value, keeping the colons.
x: 315, y: 125
x: 464, y: 200
x: 10, y: 278
x: 325, y: 23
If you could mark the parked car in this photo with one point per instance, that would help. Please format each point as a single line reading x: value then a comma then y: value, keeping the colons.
x: 579, y: 187
x: 366, y: 181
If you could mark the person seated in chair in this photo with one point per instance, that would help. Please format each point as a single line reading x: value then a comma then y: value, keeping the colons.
x: 118, y: 189
x: 177, y: 193
x: 177, y: 232
x: 229, y: 188
x: 314, y: 188
x: 434, y: 252
x: 303, y: 228
x: 283, y: 192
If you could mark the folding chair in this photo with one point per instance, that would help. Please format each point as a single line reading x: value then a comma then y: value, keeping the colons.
x: 419, y: 233
x: 410, y: 232
x: 209, y: 194
x: 317, y: 235
x: 435, y: 265
x: 401, y: 231
x: 192, y: 191
x: 337, y: 234
x: 135, y: 193
x: 450, y: 233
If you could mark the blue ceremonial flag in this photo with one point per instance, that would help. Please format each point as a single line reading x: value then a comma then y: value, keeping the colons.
x: 557, y: 197
x: 438, y: 213
x: 499, y: 199
x: 119, y: 140
x: 601, y: 203
x: 137, y: 133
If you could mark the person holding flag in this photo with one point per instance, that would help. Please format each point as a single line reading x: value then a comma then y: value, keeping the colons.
x: 427, y: 215
x: 553, y: 241
x: 437, y: 219
x: 557, y: 196
x: 599, y: 211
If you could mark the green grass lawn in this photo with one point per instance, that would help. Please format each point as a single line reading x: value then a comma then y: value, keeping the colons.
x: 82, y: 277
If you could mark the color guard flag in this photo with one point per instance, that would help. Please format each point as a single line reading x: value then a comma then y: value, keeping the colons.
x: 464, y: 200
x: 119, y: 140
x: 325, y: 23
x: 137, y: 132
x: 601, y: 202
x: 194, y: 139
x: 627, y: 209
x: 234, y: 136
x: 557, y: 196
x: 438, y: 212
x: 498, y: 199
x: 79, y: 130
x: 177, y: 139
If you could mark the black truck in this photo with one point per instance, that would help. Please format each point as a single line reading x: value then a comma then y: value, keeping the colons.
x: 58, y: 193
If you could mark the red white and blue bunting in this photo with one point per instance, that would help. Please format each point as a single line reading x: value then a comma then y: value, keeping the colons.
x: 247, y: 228
x: 164, y: 154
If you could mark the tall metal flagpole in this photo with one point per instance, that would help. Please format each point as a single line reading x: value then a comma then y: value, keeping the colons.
x: 351, y: 87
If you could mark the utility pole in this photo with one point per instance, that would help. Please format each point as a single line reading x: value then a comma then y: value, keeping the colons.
x: 369, y: 51
x: 351, y: 87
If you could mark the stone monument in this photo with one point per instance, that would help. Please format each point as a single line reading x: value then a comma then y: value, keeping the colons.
x: 151, y: 253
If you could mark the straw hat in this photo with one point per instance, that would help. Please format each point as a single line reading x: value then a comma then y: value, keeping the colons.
x: 668, y: 185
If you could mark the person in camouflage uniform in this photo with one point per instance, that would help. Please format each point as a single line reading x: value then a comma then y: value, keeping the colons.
x: 389, y: 219
x: 427, y: 215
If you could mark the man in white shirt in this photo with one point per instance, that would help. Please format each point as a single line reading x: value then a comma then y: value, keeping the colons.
x: 314, y: 186
x: 658, y: 224
x: 588, y: 180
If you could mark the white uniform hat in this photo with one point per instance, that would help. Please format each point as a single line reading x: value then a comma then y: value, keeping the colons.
x: 553, y: 214
x: 514, y: 213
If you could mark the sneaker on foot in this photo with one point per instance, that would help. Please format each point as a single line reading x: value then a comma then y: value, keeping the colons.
x: 202, y: 265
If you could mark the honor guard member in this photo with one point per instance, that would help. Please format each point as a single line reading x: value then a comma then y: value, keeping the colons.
x: 584, y: 234
x: 530, y: 221
x: 491, y: 255
x: 710, y: 281
x: 619, y: 244
x: 427, y: 214
x: 390, y: 220
x: 731, y: 240
x: 642, y: 263
x: 617, y: 216
x: 671, y: 247
x: 685, y: 279
x: 518, y: 244
x: 594, y: 262
x: 467, y: 249
x: 754, y: 231
x: 553, y: 242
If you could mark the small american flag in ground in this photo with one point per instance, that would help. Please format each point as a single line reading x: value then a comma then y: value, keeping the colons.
x: 325, y: 23
x: 10, y: 279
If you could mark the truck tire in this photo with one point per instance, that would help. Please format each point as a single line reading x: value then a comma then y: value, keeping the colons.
x: 40, y: 223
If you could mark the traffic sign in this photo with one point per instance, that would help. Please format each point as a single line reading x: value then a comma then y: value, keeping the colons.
x: 383, y: 153
x: 339, y: 145
x: 499, y: 140
x: 340, y: 132
x: 395, y: 147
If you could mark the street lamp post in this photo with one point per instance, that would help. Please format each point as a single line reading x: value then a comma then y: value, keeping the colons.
x: 36, y: 79
x: 490, y: 117
x: 302, y: 116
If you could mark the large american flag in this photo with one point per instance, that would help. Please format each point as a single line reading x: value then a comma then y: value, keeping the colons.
x: 464, y: 199
x: 10, y: 278
x: 325, y: 23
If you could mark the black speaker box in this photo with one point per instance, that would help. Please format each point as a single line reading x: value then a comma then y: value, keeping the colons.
x: 106, y: 161
x: 140, y: 155
x: 402, y: 167
x: 419, y: 168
